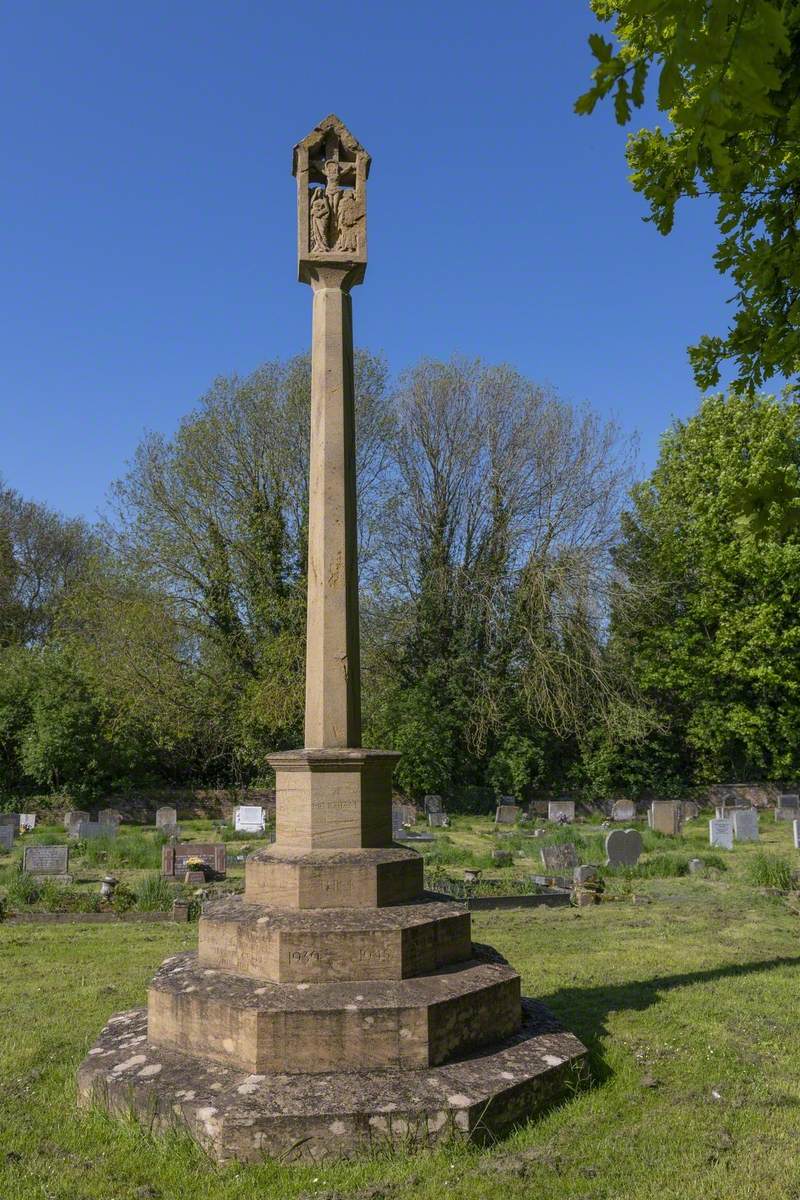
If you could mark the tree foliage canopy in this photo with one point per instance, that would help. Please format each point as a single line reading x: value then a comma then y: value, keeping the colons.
x: 729, y: 82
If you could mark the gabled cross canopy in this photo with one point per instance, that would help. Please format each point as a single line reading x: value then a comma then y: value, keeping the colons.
x: 316, y: 139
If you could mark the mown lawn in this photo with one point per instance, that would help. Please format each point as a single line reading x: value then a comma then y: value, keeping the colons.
x: 688, y: 1003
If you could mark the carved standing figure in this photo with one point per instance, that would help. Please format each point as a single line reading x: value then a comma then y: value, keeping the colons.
x: 348, y: 216
x: 320, y: 220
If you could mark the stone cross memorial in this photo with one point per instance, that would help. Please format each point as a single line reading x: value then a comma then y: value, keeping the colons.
x: 335, y: 1006
x: 720, y: 833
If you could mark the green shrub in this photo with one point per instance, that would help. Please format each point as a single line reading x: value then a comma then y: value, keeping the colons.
x: 124, y: 898
x: 767, y: 870
x: 154, y: 894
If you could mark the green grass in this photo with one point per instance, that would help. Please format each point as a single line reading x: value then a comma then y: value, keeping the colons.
x: 768, y: 870
x: 691, y: 994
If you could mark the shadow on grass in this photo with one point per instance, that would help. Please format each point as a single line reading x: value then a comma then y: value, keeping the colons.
x: 584, y: 1010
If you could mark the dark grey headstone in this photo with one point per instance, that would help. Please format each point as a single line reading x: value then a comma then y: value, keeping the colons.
x: 623, y: 848
x: 437, y: 819
x: 89, y: 830
x: 46, y: 860
x: 10, y: 821
x: 433, y: 804
x: 6, y: 837
x: 745, y: 824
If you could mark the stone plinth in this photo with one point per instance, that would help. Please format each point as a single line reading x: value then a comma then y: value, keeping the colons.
x: 334, y: 798
x: 248, y: 1116
x: 333, y: 878
x: 298, y: 946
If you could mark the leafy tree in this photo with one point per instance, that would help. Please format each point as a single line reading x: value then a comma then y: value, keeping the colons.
x: 729, y: 83
x: 711, y: 548
x: 41, y: 555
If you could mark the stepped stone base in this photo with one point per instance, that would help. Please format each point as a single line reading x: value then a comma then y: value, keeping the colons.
x: 289, y: 945
x: 314, y: 1118
x: 332, y: 1026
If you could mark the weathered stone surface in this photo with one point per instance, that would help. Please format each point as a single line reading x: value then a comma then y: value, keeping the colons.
x: 166, y: 817
x: 745, y: 824
x: 237, y: 1115
x: 302, y: 946
x: 562, y: 857
x: 46, y: 860
x: 403, y: 1024
x: 333, y: 799
x: 507, y: 814
x: 333, y: 878
x: 665, y: 816
x: 6, y: 837
x: 623, y: 810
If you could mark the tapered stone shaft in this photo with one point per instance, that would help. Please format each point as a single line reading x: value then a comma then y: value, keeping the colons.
x: 333, y: 693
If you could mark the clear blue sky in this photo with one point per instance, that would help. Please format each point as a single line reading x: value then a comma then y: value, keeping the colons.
x: 148, y: 221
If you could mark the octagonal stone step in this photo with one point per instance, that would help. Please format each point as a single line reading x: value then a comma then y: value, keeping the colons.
x: 320, y: 1027
x: 311, y: 945
x: 239, y: 1115
x: 333, y: 878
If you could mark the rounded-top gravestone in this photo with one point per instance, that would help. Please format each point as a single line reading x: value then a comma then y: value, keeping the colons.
x: 623, y: 848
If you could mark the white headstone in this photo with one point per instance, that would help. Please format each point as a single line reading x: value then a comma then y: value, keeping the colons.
x: 623, y: 848
x: 27, y: 821
x: 745, y: 825
x: 720, y: 833
x: 560, y: 810
x: 248, y: 818
x: 796, y: 832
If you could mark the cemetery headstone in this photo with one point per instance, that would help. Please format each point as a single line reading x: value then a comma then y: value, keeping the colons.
x: 502, y: 858
x: 720, y: 833
x: 433, y: 804
x: 27, y: 822
x: 796, y: 834
x: 73, y: 819
x: 789, y: 800
x: 665, y: 816
x: 166, y: 818
x: 109, y: 816
x: 397, y: 823
x: 10, y: 821
x: 690, y: 810
x: 745, y: 825
x: 561, y: 810
x: 563, y: 857
x: 623, y: 810
x: 50, y: 861
x: 623, y: 848
x: 507, y: 800
x: 438, y: 820
x: 695, y: 865
x: 786, y: 814
x: 89, y: 830
x: 506, y: 814
x: 249, y: 818
x: 174, y: 859
x: 6, y: 837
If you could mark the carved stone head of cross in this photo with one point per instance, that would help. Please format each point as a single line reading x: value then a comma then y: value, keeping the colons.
x: 331, y: 169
